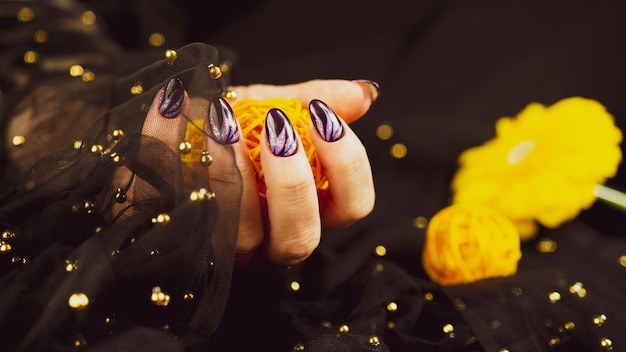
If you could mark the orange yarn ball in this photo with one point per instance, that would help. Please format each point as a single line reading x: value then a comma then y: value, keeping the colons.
x: 468, y: 243
x: 251, y: 115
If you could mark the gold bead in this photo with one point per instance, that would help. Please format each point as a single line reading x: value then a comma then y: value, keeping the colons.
x: 554, y: 297
x: 170, y: 56
x: 384, y: 131
x: 448, y: 328
x: 420, y: 222
x: 18, y: 140
x: 392, y: 306
x: 5, y: 247
x: 215, y: 71
x: 380, y: 250
x: 136, y: 88
x: 161, y: 219
x: 201, y: 194
x: 546, y: 245
x: 230, y: 95
x: 205, y: 158
x: 398, y: 151
x: 606, y: 344
x: 374, y: 341
x: 599, y: 320
x: 159, y: 298
x: 294, y: 286
x: 78, y: 300
x: 184, y: 147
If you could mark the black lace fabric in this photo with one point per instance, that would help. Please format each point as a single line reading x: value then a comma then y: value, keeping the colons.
x: 113, y: 238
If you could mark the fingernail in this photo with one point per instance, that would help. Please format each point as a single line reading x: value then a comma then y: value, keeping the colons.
x: 371, y: 86
x: 280, y: 133
x: 172, y: 98
x: 222, y: 121
x: 325, y: 121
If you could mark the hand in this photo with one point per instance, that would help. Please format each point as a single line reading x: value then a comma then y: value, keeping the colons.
x: 295, y: 214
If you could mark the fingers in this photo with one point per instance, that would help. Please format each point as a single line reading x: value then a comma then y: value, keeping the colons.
x: 292, y: 205
x: 352, y: 99
x: 344, y: 160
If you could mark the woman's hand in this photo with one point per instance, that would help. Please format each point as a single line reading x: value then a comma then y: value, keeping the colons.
x: 295, y: 215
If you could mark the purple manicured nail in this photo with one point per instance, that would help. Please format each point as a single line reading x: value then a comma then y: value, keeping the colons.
x: 172, y: 98
x: 222, y: 121
x: 280, y: 133
x: 325, y: 121
x: 373, y: 87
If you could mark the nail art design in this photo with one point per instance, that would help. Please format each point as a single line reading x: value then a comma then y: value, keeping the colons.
x: 325, y: 121
x: 280, y: 133
x: 222, y: 121
x: 172, y: 98
x: 373, y: 87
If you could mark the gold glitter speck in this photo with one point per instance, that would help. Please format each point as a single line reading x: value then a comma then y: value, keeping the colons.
x: 25, y: 14
x: 428, y: 296
x: 136, y: 88
x: 622, y: 260
x: 606, y: 344
x: 398, y: 151
x: 546, y: 245
x: 294, y: 286
x: 344, y: 328
x: 88, y: 18
x: 159, y: 298
x: 161, y: 219
x: 420, y: 222
x: 569, y: 325
x: 448, y: 328
x: 298, y: 348
x: 230, y: 95
x: 5, y: 247
x: 392, y: 306
x: 40, y: 36
x: 201, y: 194
x: 156, y: 39
x: 30, y: 57
x: 374, y: 341
x: 578, y: 289
x: 76, y: 70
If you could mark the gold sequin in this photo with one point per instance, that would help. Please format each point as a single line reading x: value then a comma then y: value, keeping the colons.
x: 429, y: 296
x: 459, y: 304
x: 159, y: 298
x: 156, y: 39
x: 554, y: 297
x: 517, y: 291
x: 298, y: 348
x: 380, y: 251
x: 97, y: 149
x: 374, y: 341
x: 78, y: 145
x: 384, y: 131
x: 78, y: 301
x: 622, y: 260
x: 88, y: 18
x: 18, y: 140
x: 327, y: 324
x: 162, y: 218
x: 170, y: 56
x: 7, y: 235
x: 496, y: 324
x: 392, y: 306
x: 344, y: 328
x: 31, y: 56
x: 569, y: 325
x: 154, y: 252
x: 448, y: 328
x: 80, y: 341
x: 398, y: 151
x: 554, y: 341
x: 215, y: 71
x: 294, y: 286
x: 379, y: 267
x: 391, y: 325
x: 599, y: 320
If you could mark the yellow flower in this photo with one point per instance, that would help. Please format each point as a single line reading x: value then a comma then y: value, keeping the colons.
x: 543, y: 165
x: 468, y: 243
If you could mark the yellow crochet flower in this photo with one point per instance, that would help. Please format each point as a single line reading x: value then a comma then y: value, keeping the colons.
x: 543, y: 165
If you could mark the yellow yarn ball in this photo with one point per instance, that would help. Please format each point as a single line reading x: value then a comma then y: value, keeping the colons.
x: 251, y: 115
x: 468, y: 243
